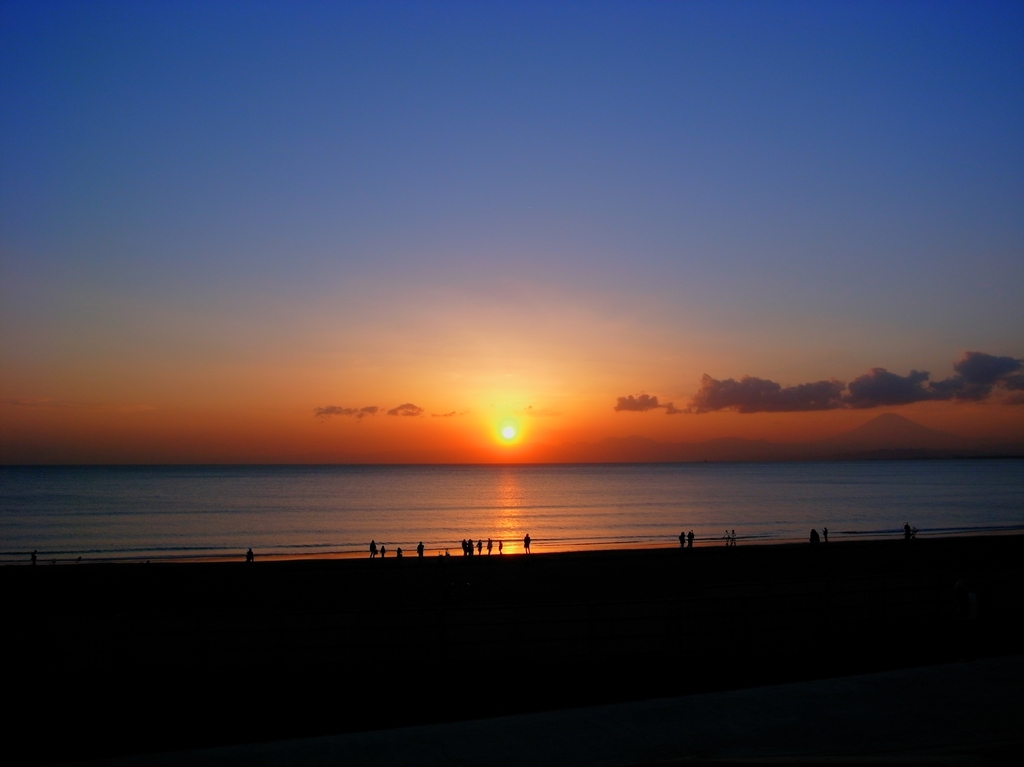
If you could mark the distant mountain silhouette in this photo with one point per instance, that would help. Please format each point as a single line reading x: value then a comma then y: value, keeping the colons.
x: 889, y: 431
x: 885, y: 436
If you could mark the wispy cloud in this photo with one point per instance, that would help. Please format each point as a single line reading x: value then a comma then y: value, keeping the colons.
x: 353, y: 412
x: 644, y: 402
x: 452, y: 414
x: 531, y: 412
x: 407, y: 409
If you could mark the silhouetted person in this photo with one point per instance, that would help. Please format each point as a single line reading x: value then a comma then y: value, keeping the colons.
x: 814, y: 537
x: 419, y: 550
x: 33, y: 558
x: 499, y: 546
x: 446, y: 553
x: 726, y: 537
x: 682, y: 540
x: 382, y: 550
x: 480, y: 547
x: 373, y: 549
x: 824, y: 534
x: 249, y: 556
x: 78, y: 561
x: 398, y: 552
x: 689, y: 540
x: 732, y: 538
x: 490, y: 545
x: 907, y: 532
x: 526, y: 543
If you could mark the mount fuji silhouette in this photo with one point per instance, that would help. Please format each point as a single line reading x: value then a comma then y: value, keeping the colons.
x: 889, y: 431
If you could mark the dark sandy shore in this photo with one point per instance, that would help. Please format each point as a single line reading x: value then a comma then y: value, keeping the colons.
x: 108, y: 660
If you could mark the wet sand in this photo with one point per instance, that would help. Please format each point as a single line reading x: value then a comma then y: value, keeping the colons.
x: 128, y: 658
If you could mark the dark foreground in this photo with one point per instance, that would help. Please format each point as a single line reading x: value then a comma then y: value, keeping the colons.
x: 116, y: 659
x: 965, y: 714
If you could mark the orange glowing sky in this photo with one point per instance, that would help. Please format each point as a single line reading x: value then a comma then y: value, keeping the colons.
x: 246, y: 235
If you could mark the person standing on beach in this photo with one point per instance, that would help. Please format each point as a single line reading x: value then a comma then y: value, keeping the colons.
x: 382, y: 550
x: 479, y: 547
x: 499, y: 547
x: 419, y: 550
x: 824, y: 534
x: 689, y: 540
x: 249, y: 556
x: 373, y: 549
x: 489, y: 546
x: 682, y: 540
x: 33, y: 558
x: 398, y: 552
x: 526, y: 543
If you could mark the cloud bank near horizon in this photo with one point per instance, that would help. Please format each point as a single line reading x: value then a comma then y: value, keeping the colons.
x: 977, y: 376
x: 353, y: 412
x: 644, y: 402
x: 406, y: 409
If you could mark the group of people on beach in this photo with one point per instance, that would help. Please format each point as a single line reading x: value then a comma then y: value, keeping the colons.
x: 384, y: 551
x: 685, y: 542
x: 467, y: 547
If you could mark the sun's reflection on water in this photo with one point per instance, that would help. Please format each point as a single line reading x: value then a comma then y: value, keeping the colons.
x: 507, y: 519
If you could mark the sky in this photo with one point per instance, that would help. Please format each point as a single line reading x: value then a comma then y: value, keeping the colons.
x: 331, y: 232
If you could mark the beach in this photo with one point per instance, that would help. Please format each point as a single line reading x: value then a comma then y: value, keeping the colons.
x: 131, y: 658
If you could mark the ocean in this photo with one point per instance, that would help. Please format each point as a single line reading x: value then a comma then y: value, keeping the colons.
x: 217, y: 512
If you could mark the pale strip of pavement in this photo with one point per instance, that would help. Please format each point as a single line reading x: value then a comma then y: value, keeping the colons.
x: 968, y: 713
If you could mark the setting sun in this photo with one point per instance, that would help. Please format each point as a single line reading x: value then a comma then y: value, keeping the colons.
x: 508, y: 430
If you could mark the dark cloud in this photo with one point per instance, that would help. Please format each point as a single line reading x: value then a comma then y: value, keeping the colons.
x: 354, y: 412
x: 759, y: 395
x: 639, y: 404
x: 1014, y: 382
x: 977, y: 375
x: 407, y: 409
x: 985, y: 369
x: 880, y: 387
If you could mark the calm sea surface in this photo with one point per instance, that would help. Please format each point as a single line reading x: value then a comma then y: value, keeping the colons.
x: 190, y: 512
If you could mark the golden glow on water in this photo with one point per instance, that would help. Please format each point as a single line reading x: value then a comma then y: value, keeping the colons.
x: 509, y: 496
